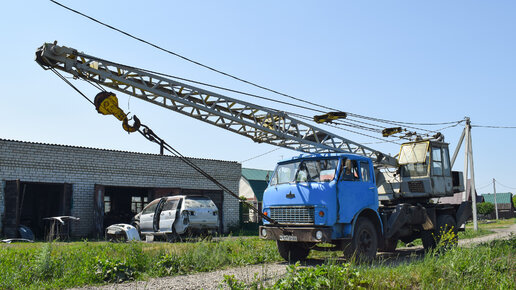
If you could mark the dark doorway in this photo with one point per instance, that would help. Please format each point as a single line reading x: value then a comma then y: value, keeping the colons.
x: 122, y: 203
x: 29, y: 202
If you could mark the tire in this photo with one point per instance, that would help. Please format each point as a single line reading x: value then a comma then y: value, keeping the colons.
x: 292, y: 251
x: 389, y: 245
x: 445, y: 223
x: 428, y: 239
x: 364, y: 242
x: 446, y: 226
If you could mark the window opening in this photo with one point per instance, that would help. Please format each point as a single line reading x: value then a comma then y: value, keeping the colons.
x: 364, y: 171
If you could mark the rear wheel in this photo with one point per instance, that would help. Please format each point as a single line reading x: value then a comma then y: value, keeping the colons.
x: 364, y: 242
x: 292, y: 251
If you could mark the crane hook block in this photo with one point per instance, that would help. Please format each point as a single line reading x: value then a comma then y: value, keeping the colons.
x: 134, y: 127
x: 106, y: 103
x: 328, y: 117
x: 391, y: 131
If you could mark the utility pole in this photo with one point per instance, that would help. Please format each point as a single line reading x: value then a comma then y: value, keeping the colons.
x: 468, y: 162
x: 496, y: 204
x: 469, y: 157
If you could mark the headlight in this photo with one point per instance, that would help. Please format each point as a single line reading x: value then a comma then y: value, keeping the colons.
x: 264, y: 232
x: 318, y: 235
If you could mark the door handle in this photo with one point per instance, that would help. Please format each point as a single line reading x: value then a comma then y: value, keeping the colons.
x: 372, y: 187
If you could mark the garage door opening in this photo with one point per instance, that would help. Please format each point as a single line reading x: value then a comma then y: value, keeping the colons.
x: 122, y: 203
x: 28, y: 203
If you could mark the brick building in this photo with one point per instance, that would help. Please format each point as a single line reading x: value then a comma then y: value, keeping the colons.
x: 101, y: 187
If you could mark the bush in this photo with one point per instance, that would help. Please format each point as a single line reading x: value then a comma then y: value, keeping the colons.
x: 485, y: 208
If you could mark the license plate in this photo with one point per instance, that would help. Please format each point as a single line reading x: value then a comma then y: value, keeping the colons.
x: 288, y: 238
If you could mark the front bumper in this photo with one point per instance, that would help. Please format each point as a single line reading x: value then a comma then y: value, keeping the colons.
x: 296, y: 234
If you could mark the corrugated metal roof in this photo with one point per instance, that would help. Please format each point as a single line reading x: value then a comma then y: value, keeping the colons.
x: 108, y: 150
x: 502, y: 197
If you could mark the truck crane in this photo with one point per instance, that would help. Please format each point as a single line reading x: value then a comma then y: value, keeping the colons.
x: 337, y: 192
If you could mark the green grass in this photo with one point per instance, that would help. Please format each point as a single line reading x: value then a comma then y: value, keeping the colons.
x: 486, y: 266
x: 61, y: 265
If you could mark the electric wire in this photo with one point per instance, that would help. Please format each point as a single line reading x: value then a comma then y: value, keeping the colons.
x: 498, y: 182
x: 481, y: 187
x: 494, y: 127
x: 263, y: 154
x: 241, y: 79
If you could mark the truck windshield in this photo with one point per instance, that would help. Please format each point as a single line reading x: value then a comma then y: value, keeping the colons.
x: 320, y: 170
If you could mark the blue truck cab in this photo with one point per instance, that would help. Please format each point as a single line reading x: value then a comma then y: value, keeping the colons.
x: 322, y: 198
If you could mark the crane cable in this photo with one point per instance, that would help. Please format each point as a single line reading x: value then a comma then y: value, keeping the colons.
x: 151, y: 136
x: 241, y: 79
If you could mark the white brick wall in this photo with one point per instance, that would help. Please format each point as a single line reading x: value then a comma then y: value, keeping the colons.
x: 85, y: 167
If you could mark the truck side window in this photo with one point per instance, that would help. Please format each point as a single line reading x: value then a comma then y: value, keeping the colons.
x: 364, y: 171
x: 349, y: 171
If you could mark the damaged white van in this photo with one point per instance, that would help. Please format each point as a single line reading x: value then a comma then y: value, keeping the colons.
x: 173, y: 216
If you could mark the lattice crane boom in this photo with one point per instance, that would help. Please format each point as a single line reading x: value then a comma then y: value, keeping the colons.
x: 261, y: 124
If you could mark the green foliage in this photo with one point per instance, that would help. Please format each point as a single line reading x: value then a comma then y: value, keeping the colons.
x: 113, y: 271
x: 326, y: 276
x: 485, y: 208
x: 479, y: 267
x: 514, y: 200
x: 64, y: 265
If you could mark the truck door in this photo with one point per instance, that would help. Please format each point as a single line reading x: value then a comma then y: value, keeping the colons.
x: 168, y: 215
x: 355, y: 190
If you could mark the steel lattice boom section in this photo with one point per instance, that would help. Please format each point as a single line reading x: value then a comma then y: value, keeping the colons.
x: 259, y: 123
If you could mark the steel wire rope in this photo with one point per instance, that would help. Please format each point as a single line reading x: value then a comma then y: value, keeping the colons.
x: 151, y: 136
x: 230, y: 75
x: 244, y: 93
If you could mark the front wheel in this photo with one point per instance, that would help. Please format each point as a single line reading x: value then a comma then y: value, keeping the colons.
x: 364, y: 242
x: 292, y: 251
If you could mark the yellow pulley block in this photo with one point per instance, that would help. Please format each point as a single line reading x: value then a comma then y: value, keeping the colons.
x: 106, y: 103
x: 391, y: 131
x: 328, y: 117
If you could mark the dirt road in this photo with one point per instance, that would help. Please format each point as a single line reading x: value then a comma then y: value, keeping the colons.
x: 272, y: 271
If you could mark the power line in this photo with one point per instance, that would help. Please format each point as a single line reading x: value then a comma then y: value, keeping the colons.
x: 257, y: 156
x: 494, y: 127
x: 498, y: 182
x: 490, y: 183
x: 243, y: 80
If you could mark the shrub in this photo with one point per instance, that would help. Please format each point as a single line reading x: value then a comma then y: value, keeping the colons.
x: 485, y: 208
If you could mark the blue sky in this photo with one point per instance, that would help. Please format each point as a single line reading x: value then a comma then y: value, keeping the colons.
x: 413, y: 61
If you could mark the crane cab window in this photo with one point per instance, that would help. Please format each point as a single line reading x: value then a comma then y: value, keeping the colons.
x: 437, y: 163
x: 349, y: 170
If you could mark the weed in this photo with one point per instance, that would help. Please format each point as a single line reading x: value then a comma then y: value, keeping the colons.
x: 113, y: 271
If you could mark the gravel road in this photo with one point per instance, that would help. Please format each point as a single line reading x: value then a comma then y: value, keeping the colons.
x: 268, y: 273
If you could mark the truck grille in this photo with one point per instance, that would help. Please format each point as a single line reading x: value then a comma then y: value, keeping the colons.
x: 293, y: 214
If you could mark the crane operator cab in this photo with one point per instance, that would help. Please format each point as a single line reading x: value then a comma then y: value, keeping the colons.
x: 424, y: 172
